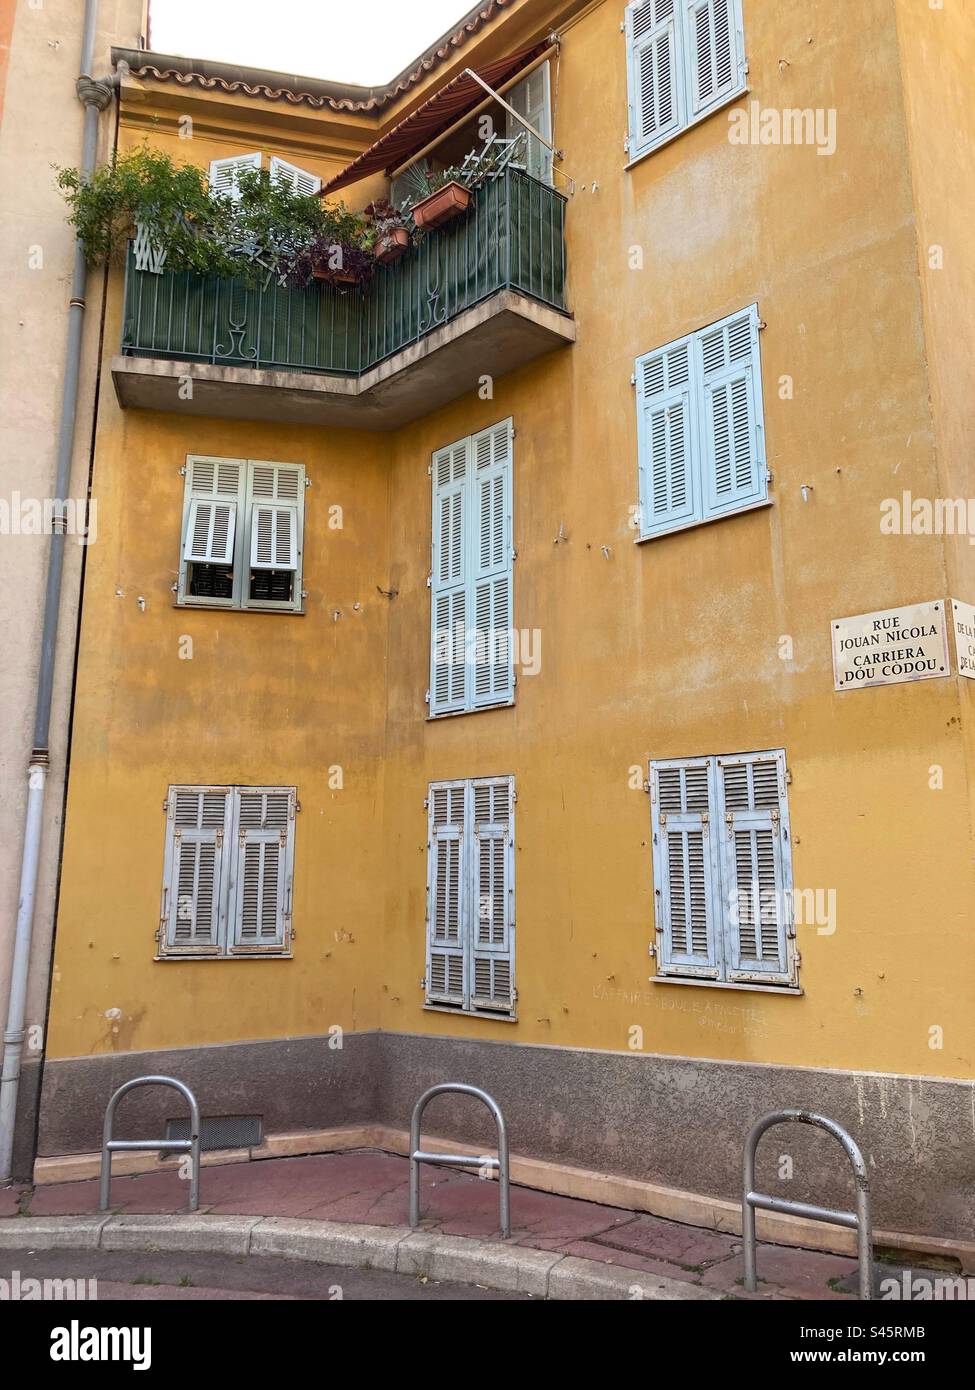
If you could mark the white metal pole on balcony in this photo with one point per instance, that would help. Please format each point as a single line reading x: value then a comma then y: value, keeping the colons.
x: 469, y: 72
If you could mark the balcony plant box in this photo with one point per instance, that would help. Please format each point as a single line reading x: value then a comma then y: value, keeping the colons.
x: 440, y: 206
x: 392, y: 245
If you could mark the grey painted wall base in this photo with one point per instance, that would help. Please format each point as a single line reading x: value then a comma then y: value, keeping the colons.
x: 671, y: 1120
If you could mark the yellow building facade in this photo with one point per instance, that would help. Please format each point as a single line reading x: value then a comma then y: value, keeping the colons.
x: 842, y: 266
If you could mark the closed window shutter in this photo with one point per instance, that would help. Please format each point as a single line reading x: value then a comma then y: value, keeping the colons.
x: 531, y: 98
x: 686, y: 872
x: 670, y: 493
x: 491, y: 588
x: 757, y: 871
x: 262, y: 885
x: 654, y: 73
x: 715, y: 59
x: 298, y: 180
x: 212, y: 496
x: 275, y: 494
x: 492, y: 946
x: 446, y: 973
x: 198, y: 831
x: 224, y: 172
x: 449, y: 581
x: 731, y: 415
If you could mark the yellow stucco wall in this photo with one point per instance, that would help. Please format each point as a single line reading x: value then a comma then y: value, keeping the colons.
x: 662, y: 649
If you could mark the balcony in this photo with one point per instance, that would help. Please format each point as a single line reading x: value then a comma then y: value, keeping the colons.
x: 481, y: 296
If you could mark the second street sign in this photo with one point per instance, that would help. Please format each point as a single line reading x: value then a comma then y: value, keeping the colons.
x: 897, y: 644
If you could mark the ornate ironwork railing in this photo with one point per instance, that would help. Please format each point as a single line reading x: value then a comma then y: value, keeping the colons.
x: 512, y: 238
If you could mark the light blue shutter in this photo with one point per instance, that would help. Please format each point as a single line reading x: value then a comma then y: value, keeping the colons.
x: 685, y: 869
x: 492, y: 915
x: 653, y: 73
x: 715, y: 57
x: 757, y: 867
x: 532, y: 100
x: 667, y: 425
x: 732, y: 427
x: 490, y: 590
x: 446, y: 974
x: 198, y: 834
x: 449, y: 678
x: 213, y: 500
x: 275, y: 525
x: 262, y: 885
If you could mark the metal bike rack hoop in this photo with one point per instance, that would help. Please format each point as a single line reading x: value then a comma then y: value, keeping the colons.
x: 858, y: 1220
x: 499, y: 1164
x: 190, y: 1146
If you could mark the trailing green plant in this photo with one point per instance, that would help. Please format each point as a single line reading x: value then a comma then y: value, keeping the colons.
x: 264, y: 229
x: 146, y: 186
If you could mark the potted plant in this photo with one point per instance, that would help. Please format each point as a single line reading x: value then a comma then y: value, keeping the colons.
x: 448, y: 197
x: 390, y: 231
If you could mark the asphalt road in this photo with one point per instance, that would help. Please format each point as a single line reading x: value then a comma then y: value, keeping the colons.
x: 159, y: 1275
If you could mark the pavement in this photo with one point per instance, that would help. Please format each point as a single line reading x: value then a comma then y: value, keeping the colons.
x: 351, y: 1208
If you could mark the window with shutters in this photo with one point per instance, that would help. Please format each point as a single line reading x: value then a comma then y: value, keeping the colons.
x: 685, y: 58
x: 290, y: 176
x: 531, y: 98
x: 472, y: 645
x: 228, y: 872
x: 722, y: 870
x: 224, y: 172
x: 243, y: 522
x: 470, y: 896
x: 701, y: 427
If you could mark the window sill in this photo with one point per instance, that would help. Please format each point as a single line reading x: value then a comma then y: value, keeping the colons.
x: 470, y: 1013
x: 725, y: 984
x: 698, y: 120
x: 232, y: 608
x: 706, y: 521
x: 480, y: 709
x: 282, y: 955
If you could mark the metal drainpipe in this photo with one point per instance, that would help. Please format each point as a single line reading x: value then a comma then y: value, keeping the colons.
x: 95, y: 96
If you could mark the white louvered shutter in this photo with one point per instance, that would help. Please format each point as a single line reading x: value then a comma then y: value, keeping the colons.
x: 210, y: 532
x: 275, y: 496
x: 449, y: 679
x: 490, y: 593
x: 715, y: 52
x: 686, y: 874
x: 655, y: 93
x: 531, y: 98
x: 446, y: 974
x: 492, y: 916
x: 261, y: 890
x: 298, y: 180
x: 198, y: 830
x: 224, y: 172
x: 667, y: 432
x: 211, y: 500
x: 732, y: 429
x: 757, y: 873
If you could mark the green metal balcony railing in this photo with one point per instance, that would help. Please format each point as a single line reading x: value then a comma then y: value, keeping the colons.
x: 512, y: 238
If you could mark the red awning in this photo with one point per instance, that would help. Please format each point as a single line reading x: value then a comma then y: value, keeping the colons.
x: 432, y: 118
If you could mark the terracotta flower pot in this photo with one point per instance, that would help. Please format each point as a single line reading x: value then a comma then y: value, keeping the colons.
x: 437, y: 208
x: 393, y: 245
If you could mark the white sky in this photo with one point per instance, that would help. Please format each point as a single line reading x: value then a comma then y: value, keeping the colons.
x: 358, y: 41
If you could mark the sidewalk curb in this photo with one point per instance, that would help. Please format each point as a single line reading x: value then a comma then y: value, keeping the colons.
x: 457, y: 1259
